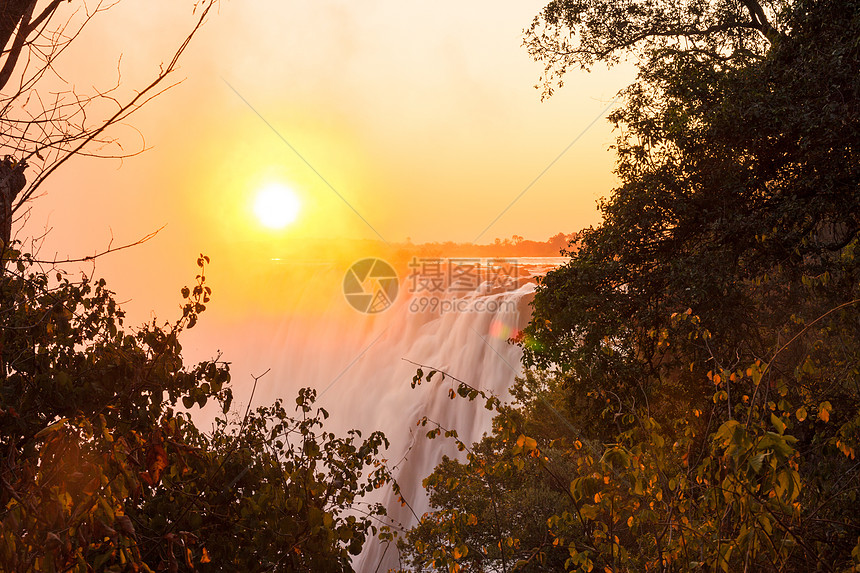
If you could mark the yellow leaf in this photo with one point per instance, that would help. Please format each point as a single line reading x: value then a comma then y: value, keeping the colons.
x: 630, y: 521
x: 801, y: 414
x: 205, y: 557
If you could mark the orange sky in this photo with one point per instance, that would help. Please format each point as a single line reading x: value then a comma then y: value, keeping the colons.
x: 422, y: 116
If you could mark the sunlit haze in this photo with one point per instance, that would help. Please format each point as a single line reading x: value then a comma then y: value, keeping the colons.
x: 392, y: 121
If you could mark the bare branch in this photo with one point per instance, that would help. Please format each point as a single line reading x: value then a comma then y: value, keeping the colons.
x: 109, y: 250
x: 142, y: 97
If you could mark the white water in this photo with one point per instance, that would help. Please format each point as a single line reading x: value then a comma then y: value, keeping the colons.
x: 360, y: 366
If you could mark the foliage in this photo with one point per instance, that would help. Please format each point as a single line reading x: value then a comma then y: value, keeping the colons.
x: 770, y: 487
x: 724, y: 220
x: 277, y: 494
x: 491, y: 511
x: 754, y: 228
x: 570, y: 34
x: 102, y: 469
x: 701, y: 348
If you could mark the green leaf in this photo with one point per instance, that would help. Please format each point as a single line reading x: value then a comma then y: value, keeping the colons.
x: 726, y: 432
x: 777, y: 423
x: 589, y: 511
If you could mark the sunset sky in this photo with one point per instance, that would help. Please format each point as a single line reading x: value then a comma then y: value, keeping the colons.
x: 422, y: 116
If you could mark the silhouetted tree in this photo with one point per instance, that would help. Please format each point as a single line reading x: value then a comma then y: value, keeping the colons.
x: 695, y: 365
x: 41, y: 127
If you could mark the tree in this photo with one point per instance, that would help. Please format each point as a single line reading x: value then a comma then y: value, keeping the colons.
x: 83, y: 403
x: 38, y: 132
x: 276, y: 493
x: 101, y: 465
x: 103, y: 470
x: 490, y: 512
x: 698, y: 491
x: 580, y: 33
x: 702, y: 342
x: 751, y: 228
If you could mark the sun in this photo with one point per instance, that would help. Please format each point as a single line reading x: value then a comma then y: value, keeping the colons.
x: 276, y: 206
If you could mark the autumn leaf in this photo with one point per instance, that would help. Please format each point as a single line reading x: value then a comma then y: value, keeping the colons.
x: 156, y: 459
x: 526, y: 443
x: 801, y: 414
x: 824, y: 410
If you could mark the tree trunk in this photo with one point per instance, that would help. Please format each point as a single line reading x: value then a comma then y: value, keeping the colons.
x: 12, y: 181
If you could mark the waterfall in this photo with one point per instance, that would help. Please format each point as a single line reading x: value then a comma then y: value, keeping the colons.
x: 362, y: 367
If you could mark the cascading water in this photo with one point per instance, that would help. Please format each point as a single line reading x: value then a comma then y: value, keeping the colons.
x: 465, y: 345
x: 362, y: 366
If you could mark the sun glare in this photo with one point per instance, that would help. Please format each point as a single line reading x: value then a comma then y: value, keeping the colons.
x: 276, y: 206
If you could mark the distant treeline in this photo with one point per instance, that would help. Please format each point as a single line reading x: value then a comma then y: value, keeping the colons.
x: 346, y: 251
x: 516, y: 246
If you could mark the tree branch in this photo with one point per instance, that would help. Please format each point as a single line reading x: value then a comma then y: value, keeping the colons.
x: 107, y: 251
